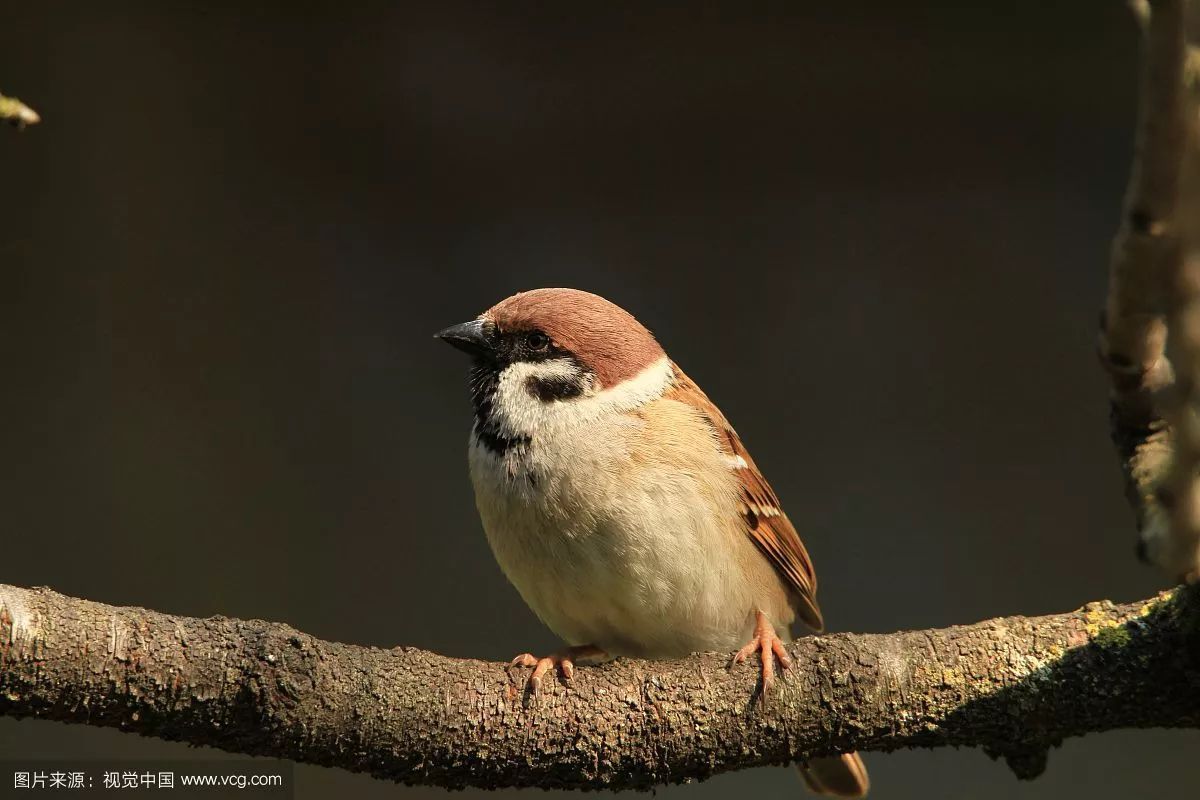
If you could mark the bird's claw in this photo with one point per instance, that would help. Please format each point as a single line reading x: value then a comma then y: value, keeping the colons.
x: 770, y: 649
x: 564, y: 660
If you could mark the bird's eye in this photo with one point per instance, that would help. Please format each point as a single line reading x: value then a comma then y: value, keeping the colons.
x: 537, y: 340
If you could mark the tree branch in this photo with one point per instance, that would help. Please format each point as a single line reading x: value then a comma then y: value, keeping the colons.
x: 1013, y: 686
x: 1146, y: 281
x: 1179, y: 552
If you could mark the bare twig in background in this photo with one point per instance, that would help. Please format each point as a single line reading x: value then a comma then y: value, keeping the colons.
x: 15, y: 112
x: 1142, y: 284
x: 1013, y: 686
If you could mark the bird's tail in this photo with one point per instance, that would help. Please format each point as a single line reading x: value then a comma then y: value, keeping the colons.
x: 837, y: 776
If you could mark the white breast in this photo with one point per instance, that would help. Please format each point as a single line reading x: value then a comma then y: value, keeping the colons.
x: 616, y: 523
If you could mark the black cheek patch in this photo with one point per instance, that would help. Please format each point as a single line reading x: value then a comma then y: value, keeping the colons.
x: 549, y: 389
x: 496, y: 443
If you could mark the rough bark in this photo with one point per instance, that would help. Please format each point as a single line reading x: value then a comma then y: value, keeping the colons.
x: 1014, y: 686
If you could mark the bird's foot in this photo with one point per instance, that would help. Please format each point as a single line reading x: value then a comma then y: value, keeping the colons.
x: 564, y: 659
x: 770, y: 649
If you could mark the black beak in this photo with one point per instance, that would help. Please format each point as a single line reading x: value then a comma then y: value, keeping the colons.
x: 470, y: 337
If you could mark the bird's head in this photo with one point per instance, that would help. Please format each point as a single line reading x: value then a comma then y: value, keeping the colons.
x: 550, y: 347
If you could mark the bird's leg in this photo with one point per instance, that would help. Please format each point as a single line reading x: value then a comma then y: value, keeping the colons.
x: 564, y: 659
x: 769, y: 646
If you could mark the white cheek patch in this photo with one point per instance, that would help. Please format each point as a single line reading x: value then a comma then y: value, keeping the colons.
x: 518, y: 413
x: 519, y: 374
x: 516, y: 410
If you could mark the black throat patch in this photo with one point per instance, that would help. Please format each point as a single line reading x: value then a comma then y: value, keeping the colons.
x: 484, y: 380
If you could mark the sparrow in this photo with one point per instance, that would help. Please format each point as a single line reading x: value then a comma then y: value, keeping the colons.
x: 621, y: 504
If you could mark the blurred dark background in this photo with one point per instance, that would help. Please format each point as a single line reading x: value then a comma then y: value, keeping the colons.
x: 875, y: 233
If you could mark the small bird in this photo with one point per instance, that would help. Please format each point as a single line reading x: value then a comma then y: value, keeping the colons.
x: 622, y: 505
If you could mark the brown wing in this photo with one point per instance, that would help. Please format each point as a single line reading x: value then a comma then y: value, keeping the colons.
x: 764, y: 520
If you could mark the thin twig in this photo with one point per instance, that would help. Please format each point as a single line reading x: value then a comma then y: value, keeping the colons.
x: 14, y: 112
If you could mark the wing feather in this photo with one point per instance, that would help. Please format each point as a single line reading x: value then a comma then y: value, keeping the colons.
x: 762, y: 516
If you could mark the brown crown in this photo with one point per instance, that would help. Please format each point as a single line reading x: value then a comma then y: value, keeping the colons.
x: 603, y: 336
